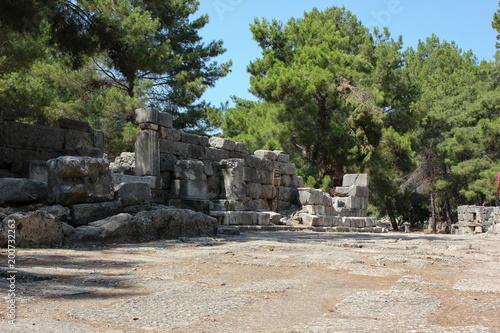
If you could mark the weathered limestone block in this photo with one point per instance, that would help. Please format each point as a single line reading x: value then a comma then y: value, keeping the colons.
x: 209, y: 168
x: 254, y: 204
x: 195, y: 151
x: 254, y: 190
x: 269, y: 154
x: 268, y: 191
x: 310, y: 196
x: 22, y: 191
x: 150, y: 115
x: 190, y: 170
x: 194, y: 139
x: 73, y: 124
x: 313, y: 209
x: 300, y: 181
x: 288, y: 168
x: 268, y: 218
x: 33, y: 229
x: 282, y: 156
x: 356, y: 179
x: 170, y: 134
x: 75, y: 139
x: 63, y: 214
x: 21, y: 135
x: 288, y: 194
x: 189, y: 189
x: 354, y: 190
x: 286, y: 180
x: 167, y: 162
x: 349, y: 202
x: 217, y: 155
x: 166, y: 223
x: 221, y: 143
x: 264, y: 177
x: 241, y: 148
x: 74, y: 179
x: 241, y: 218
x: 309, y: 220
x: 98, y: 141
x: 85, y: 213
x: 252, y: 162
x: 133, y: 193
x: 232, y: 174
x: 119, y: 228
x: 147, y: 153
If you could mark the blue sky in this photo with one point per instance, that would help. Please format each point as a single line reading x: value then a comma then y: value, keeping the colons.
x: 466, y: 22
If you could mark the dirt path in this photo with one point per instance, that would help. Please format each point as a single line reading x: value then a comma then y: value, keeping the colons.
x: 262, y: 282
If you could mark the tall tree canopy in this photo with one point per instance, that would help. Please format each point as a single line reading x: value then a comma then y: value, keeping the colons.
x: 149, y: 50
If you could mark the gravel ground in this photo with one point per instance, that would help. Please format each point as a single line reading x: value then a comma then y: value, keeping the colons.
x: 261, y: 282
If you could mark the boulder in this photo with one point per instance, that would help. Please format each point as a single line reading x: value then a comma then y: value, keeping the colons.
x: 73, y: 180
x: 82, y: 214
x: 133, y: 193
x: 63, y: 214
x: 22, y: 191
x: 33, y: 229
x: 114, y: 229
x: 167, y: 223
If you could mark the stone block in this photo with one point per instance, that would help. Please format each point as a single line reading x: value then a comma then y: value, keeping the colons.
x: 254, y: 190
x: 288, y: 194
x: 33, y: 229
x: 249, y: 175
x: 309, y: 220
x: 354, y: 190
x: 190, y: 170
x: 241, y: 148
x: 133, y: 193
x: 356, y: 179
x: 252, y: 162
x: 98, y: 140
x: 264, y: 177
x: 159, y: 196
x: 170, y: 134
x: 286, y: 180
x: 209, y: 168
x: 82, y: 214
x: 300, y: 181
x: 221, y: 143
x: 189, y: 189
x: 155, y: 182
x: 194, y: 139
x: 310, y: 196
x: 20, y: 135
x: 313, y: 209
x: 268, y: 218
x: 214, y: 154
x: 195, y: 151
x: 75, y: 139
x: 287, y: 168
x: 241, y: 218
x: 166, y: 222
x: 72, y: 124
x: 150, y: 115
x: 269, y: 154
x: 268, y: 192
x: 147, y: 153
x: 74, y: 180
x: 22, y: 191
x: 281, y: 156
x: 348, y: 202
x: 37, y: 170
x: 63, y: 214
x: 120, y: 228
x: 232, y: 174
x: 167, y: 162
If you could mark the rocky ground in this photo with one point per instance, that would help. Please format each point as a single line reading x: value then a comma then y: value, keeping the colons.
x: 262, y: 282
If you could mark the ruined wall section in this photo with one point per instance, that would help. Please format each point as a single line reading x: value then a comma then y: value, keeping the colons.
x: 25, y: 148
x: 193, y: 167
x: 477, y: 219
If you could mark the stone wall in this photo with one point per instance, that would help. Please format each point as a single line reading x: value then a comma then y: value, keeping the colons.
x: 193, y: 167
x: 477, y: 219
x: 241, y: 189
x: 25, y: 148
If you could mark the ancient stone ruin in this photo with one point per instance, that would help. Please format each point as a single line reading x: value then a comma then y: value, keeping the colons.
x: 59, y: 187
x: 477, y: 219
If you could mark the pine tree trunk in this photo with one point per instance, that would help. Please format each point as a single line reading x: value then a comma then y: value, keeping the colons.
x: 394, y: 223
x: 432, y: 225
